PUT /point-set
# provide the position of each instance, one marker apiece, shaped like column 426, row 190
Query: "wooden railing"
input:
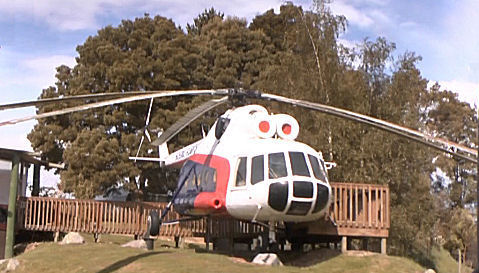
column 354, row 206
column 360, row 206
column 65, row 215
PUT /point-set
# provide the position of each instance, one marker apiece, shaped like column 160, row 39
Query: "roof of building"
column 26, row 156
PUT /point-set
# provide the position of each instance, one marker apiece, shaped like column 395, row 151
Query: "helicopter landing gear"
column 269, row 242
column 153, row 223
column 152, row 229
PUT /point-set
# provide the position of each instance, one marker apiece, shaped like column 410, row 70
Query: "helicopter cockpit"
column 296, row 181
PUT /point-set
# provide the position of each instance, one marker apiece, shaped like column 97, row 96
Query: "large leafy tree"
column 144, row 54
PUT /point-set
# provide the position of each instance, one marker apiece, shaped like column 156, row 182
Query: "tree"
column 202, row 20
column 447, row 117
column 144, row 54
column 460, row 232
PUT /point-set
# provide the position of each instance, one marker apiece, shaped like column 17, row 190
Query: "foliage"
column 460, row 232
column 202, row 20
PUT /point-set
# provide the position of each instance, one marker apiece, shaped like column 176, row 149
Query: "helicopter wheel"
column 153, row 223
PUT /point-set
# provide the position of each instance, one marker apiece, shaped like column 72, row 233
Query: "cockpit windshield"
column 317, row 169
column 257, row 169
column 298, row 164
column 277, row 165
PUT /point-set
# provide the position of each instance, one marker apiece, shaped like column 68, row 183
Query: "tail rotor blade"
column 148, row 135
column 139, row 147
column 145, row 130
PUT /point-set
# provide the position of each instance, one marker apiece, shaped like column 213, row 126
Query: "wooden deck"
column 358, row 210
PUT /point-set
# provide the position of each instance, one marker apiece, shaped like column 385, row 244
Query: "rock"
column 12, row 264
column 270, row 259
column 136, row 244
column 72, row 238
column 31, row 246
column 430, row 271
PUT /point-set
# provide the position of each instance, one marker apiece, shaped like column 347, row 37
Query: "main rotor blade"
column 184, row 121
column 116, row 101
column 73, row 98
column 437, row 143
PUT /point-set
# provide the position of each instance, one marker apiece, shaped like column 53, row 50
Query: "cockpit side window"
column 200, row 178
column 317, row 170
column 241, row 172
column 207, row 179
column 257, row 169
column 298, row 164
column 276, row 165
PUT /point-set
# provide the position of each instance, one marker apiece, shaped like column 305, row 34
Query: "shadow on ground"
column 122, row 263
column 290, row 258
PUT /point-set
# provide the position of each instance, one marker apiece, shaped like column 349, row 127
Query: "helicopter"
column 249, row 165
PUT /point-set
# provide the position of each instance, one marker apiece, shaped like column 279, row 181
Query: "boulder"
column 72, row 238
column 430, row 271
column 12, row 264
column 270, row 259
column 136, row 244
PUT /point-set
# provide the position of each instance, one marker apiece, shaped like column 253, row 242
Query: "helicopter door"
column 241, row 202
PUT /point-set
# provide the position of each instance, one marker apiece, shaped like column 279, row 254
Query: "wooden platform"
column 358, row 210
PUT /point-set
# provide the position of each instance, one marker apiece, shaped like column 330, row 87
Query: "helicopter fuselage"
column 249, row 170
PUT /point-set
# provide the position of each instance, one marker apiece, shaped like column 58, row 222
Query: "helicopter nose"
column 322, row 198
column 278, row 195
column 302, row 197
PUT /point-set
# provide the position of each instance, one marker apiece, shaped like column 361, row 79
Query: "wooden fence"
column 65, row 215
column 356, row 209
column 360, row 205
column 360, row 210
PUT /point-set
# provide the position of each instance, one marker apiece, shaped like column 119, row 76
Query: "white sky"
column 38, row 36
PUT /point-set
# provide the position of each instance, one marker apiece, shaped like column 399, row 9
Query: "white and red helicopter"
column 249, row 165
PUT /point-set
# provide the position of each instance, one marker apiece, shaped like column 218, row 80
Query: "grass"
column 109, row 256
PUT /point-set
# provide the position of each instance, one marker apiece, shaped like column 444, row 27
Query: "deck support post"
column 36, row 180
column 12, row 200
column 177, row 241
column 383, row 246
column 208, row 233
column 150, row 243
column 365, row 244
column 344, row 244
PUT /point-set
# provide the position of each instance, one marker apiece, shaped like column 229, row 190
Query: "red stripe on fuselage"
column 213, row 202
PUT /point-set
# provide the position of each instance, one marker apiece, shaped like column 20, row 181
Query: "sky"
column 38, row 36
